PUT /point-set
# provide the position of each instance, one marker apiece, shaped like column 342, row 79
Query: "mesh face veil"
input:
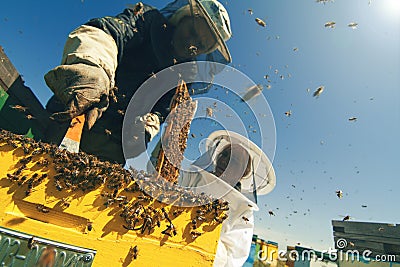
column 216, row 18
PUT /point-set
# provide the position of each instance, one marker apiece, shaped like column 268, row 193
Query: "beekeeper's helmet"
column 215, row 15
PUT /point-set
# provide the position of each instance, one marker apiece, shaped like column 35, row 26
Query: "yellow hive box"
column 51, row 214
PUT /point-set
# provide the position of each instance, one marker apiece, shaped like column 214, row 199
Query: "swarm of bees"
column 84, row 172
column 145, row 218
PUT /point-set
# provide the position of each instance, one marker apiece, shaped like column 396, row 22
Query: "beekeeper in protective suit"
column 237, row 170
column 106, row 60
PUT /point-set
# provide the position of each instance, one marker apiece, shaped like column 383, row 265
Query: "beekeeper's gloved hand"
column 151, row 123
column 82, row 88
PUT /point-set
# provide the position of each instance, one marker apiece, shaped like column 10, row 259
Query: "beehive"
column 96, row 213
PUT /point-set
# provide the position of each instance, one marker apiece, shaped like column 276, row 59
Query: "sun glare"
column 392, row 8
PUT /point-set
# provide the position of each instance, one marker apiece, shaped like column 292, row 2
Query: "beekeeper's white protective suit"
column 237, row 231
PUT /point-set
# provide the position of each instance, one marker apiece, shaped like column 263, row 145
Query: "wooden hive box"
column 13, row 93
column 378, row 238
column 82, row 211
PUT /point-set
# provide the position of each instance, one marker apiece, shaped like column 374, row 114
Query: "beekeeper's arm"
column 86, row 76
column 236, row 233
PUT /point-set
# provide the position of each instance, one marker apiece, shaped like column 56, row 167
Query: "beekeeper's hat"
column 216, row 17
column 261, row 179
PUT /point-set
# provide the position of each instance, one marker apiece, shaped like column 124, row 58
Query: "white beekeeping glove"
column 151, row 123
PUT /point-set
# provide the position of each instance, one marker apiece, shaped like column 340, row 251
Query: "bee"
column 201, row 218
column 193, row 50
column 58, row 185
column 138, row 8
column 353, row 25
column 339, row 193
column 177, row 212
column 133, row 251
column 195, row 234
column 25, row 160
column 194, row 224
column 153, row 75
column 19, row 170
column 221, row 219
column 31, row 242
column 245, row 219
column 113, row 97
column 144, row 198
column 346, row 218
column 65, row 203
column 90, row 226
column 147, row 224
column 330, row 24
column 158, row 223
column 352, row 119
column 121, row 198
column 121, row 112
column 261, row 22
column 28, row 191
column 271, row 213
column 288, row 113
column 170, row 229
column 30, row 117
column 173, row 229
column 44, row 162
column 165, row 214
column 319, row 91
column 108, row 132
column 26, row 149
column 252, row 91
column 42, row 208
column 12, row 143
column 19, row 108
column 209, row 112
column 12, row 177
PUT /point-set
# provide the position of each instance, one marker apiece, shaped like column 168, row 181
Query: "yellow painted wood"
column 69, row 224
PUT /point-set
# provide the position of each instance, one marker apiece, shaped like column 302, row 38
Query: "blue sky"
column 318, row 151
